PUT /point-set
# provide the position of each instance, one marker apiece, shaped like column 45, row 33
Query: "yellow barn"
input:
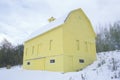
column 64, row 45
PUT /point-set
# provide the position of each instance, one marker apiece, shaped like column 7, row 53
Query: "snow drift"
column 107, row 67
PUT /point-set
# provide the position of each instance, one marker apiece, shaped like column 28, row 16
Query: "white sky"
column 19, row 18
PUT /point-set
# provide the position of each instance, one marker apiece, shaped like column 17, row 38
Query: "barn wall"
column 45, row 45
column 79, row 39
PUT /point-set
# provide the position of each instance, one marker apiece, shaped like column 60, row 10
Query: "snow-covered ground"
column 106, row 67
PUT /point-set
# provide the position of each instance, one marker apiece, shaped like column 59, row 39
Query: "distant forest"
column 10, row 55
column 107, row 39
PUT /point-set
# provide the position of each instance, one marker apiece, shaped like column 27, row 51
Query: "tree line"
column 10, row 55
column 108, row 38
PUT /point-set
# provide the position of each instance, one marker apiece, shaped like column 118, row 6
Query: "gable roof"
column 48, row 27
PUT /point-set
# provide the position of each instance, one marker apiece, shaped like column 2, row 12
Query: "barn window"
column 26, row 52
column 86, row 46
column 52, row 61
column 50, row 45
column 81, row 60
column 38, row 48
column 77, row 43
column 28, row 63
column 33, row 50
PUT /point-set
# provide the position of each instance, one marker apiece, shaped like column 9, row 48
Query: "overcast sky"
column 19, row 18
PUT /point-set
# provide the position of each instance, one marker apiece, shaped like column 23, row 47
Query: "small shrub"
column 113, row 66
column 71, row 78
column 83, row 77
column 101, row 63
column 8, row 66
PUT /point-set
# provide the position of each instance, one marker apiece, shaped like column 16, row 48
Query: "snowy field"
column 106, row 67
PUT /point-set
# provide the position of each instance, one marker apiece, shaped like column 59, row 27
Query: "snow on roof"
column 48, row 27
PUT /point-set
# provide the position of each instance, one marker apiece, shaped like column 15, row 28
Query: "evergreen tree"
column 10, row 55
column 109, row 39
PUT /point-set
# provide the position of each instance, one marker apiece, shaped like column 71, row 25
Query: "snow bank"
column 107, row 67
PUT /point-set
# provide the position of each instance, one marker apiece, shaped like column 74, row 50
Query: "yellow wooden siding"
column 76, row 64
column 68, row 63
column 35, row 64
column 76, row 30
column 44, row 63
column 57, row 66
column 42, row 45
column 43, row 42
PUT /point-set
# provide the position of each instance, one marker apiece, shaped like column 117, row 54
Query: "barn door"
column 42, row 64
